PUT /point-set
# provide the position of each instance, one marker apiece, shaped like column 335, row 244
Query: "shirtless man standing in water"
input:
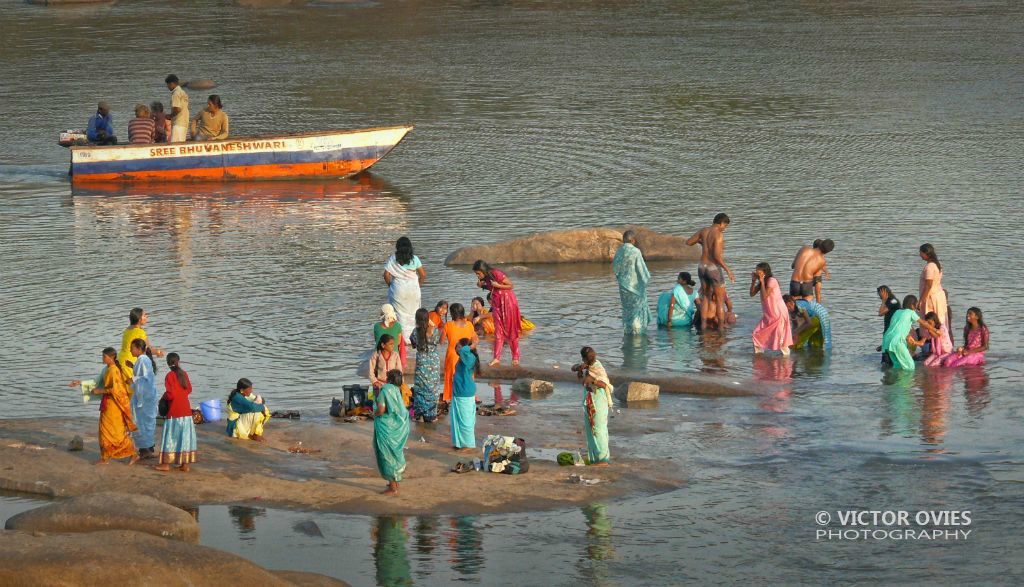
column 712, row 268
column 809, row 268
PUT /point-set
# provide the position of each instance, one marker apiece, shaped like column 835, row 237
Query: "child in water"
column 976, row 337
column 938, row 346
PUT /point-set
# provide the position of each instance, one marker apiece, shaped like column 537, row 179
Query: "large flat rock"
column 596, row 245
column 109, row 511
column 123, row 557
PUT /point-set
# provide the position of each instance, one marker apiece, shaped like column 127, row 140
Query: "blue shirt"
column 97, row 123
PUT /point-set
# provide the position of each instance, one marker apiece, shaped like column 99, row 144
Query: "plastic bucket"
column 210, row 410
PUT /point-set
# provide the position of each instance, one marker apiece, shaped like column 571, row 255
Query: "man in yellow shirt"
column 179, row 110
column 212, row 123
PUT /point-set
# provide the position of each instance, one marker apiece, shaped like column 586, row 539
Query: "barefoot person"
column 246, row 416
column 115, row 412
column 597, row 402
column 144, row 398
column 632, row 275
column 426, row 339
column 390, row 431
column 404, row 274
column 809, row 268
column 773, row 332
column 508, row 322
column 178, row 441
column 463, row 412
column 712, row 268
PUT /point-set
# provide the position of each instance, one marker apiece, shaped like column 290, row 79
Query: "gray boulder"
column 637, row 391
column 533, row 387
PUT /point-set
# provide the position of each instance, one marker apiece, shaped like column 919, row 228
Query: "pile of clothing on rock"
column 495, row 410
column 505, row 454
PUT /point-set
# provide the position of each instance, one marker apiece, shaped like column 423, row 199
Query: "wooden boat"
column 321, row 154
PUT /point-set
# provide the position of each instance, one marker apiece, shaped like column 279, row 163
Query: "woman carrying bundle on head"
column 115, row 412
column 246, row 413
column 390, row 431
column 144, row 399
column 463, row 410
column 178, row 442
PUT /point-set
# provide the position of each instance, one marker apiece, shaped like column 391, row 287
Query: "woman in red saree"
column 508, row 323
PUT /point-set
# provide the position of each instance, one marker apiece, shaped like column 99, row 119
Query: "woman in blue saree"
column 676, row 307
column 597, row 401
column 463, row 409
column 390, row 431
column 144, row 398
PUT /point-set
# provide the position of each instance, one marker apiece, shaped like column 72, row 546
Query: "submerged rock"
column 121, row 557
column 637, row 391
column 76, row 444
column 109, row 511
column 575, row 246
column 533, row 387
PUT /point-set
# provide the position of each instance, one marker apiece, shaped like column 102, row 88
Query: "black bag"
column 337, row 408
column 163, row 407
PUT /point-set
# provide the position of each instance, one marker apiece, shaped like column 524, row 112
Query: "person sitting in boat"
column 101, row 126
column 212, row 123
column 161, row 123
column 141, row 128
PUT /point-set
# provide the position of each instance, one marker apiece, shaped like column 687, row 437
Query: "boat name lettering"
column 203, row 148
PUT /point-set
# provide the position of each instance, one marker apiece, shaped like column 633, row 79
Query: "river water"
column 876, row 124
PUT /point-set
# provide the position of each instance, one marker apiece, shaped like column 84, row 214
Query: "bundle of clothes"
column 505, row 454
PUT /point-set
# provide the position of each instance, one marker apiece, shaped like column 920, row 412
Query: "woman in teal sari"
column 463, row 409
column 390, row 431
column 597, row 401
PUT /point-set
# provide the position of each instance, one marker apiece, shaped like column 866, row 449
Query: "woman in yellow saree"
column 115, row 413
column 137, row 318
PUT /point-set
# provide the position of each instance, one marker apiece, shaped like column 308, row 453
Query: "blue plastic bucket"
column 210, row 410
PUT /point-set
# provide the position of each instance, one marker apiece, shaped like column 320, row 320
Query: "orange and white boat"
column 320, row 154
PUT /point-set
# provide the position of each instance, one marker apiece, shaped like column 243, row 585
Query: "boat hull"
column 328, row 154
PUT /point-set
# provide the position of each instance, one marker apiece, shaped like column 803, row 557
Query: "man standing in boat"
column 180, row 115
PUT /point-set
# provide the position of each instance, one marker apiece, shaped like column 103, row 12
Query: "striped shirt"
column 141, row 130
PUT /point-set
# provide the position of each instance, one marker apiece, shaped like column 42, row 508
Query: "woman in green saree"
column 390, row 431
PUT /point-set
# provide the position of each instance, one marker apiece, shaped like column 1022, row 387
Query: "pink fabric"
column 508, row 323
column 974, row 340
column 941, row 347
column 773, row 332
column 936, row 302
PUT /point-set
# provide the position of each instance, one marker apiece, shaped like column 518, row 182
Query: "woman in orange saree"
column 452, row 332
column 115, row 414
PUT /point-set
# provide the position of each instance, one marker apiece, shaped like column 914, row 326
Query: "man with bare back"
column 809, row 269
column 712, row 268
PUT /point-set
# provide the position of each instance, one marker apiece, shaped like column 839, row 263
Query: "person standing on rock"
column 115, row 414
column 508, row 322
column 712, row 268
column 178, row 442
column 632, row 275
column 597, row 402
column 404, row 274
column 144, row 398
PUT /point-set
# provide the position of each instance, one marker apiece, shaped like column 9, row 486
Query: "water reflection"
column 426, row 534
column 466, row 544
column 244, row 517
column 976, row 389
column 389, row 537
column 935, row 386
column 600, row 549
column 711, row 356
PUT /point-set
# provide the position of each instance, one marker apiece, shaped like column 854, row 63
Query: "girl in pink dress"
column 976, row 337
column 773, row 332
column 941, row 345
column 508, row 323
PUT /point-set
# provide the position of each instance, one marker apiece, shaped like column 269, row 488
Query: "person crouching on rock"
column 178, row 441
column 390, row 431
column 463, row 409
column 115, row 412
column 246, row 416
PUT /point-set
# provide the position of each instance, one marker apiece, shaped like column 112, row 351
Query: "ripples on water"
column 880, row 126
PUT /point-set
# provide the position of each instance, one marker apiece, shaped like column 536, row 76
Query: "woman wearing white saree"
column 404, row 275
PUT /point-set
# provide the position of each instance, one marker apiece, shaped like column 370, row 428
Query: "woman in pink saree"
column 773, row 332
column 508, row 323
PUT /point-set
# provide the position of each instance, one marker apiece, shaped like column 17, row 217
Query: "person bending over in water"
column 676, row 307
column 938, row 346
column 809, row 268
column 712, row 268
column 897, row 340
